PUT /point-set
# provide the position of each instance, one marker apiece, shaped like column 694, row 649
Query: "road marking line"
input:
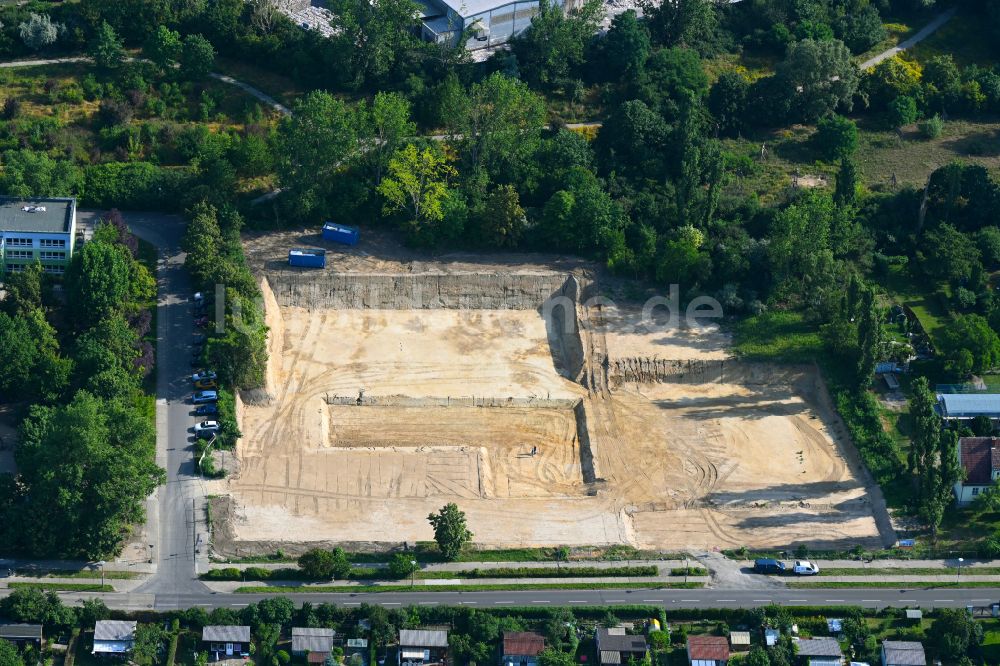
column 944, row 601
column 467, row 602
column 796, row 601
column 206, row 605
column 615, row 601
column 722, row 601
column 503, row 602
column 352, row 603
column 761, row 601
column 391, row 603
column 690, row 601
column 577, row 602
column 240, row 605
column 834, row 601
column 651, row 601
column 539, row 602
column 427, row 603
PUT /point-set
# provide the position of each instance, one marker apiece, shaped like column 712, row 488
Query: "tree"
column 27, row 173
column 317, row 563
column 955, row 634
column 932, row 457
column 846, row 189
column 861, row 30
column 946, row 253
column 971, row 334
column 99, row 281
column 417, row 183
column 902, row 111
column 9, row 655
column 93, row 610
column 164, row 48
column 387, row 126
column 837, row 137
column 892, row 79
column 672, row 22
column 819, row 77
column 24, row 290
column 727, row 100
column 554, row 44
column 197, row 58
column 148, row 640
column 502, row 220
column 758, row 657
column 311, row 146
column 107, row 49
column 669, row 79
column 31, row 604
column 39, row 31
column 554, row 657
column 374, row 36
column 871, row 337
column 988, row 240
column 450, row 530
column 626, row 46
column 402, row 565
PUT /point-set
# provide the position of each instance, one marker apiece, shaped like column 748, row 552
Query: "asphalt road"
column 176, row 511
column 702, row 598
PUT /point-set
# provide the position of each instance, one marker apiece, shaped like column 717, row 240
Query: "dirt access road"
column 400, row 382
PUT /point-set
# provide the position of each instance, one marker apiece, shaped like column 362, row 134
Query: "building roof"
column 523, row 643
column 114, row 630
column 914, row 614
column 979, row 456
column 423, row 637
column 611, row 657
column 771, row 636
column 469, row 8
column 42, row 215
column 967, row 405
column 708, row 648
column 21, row 631
column 819, row 647
column 904, row 653
column 218, row 633
column 317, row 657
column 606, row 640
column 739, row 637
column 308, row 639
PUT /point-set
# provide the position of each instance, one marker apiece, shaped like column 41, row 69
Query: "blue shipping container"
column 341, row 233
column 308, row 258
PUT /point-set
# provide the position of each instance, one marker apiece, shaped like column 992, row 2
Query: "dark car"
column 207, row 410
column 769, row 566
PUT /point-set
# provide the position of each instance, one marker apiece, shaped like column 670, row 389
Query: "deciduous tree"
column 450, row 530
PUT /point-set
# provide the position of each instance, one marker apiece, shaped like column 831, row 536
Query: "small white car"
column 206, row 428
column 805, row 568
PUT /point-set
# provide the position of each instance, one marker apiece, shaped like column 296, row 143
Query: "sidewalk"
column 664, row 565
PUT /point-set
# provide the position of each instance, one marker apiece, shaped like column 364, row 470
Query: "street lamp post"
column 958, row 577
column 150, row 553
column 413, row 572
column 101, row 564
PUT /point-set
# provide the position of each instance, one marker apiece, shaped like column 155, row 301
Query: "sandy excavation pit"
column 384, row 411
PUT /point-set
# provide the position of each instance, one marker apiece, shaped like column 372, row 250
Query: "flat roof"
column 970, row 404
column 49, row 215
column 468, row 8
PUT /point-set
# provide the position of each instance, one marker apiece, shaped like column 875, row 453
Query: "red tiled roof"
column 713, row 648
column 522, row 643
column 316, row 657
column 979, row 457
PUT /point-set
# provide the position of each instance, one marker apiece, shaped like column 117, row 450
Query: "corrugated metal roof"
column 904, row 653
column 21, row 631
column 423, row 637
column 967, row 405
column 708, row 648
column 114, row 630
column 620, row 642
column 522, row 643
column 819, row 647
column 611, row 657
column 739, row 637
column 226, row 634
column 309, row 639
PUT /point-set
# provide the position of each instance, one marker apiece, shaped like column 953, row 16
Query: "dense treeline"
column 77, row 363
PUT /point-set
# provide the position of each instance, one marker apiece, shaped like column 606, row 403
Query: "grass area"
column 72, row 573
column 777, row 336
column 65, row 587
column 354, row 589
column 991, row 641
column 926, row 302
column 916, row 571
column 366, row 574
column 887, row 584
column 898, row 31
column 963, row 37
column 281, row 88
column 751, row 66
column 882, row 153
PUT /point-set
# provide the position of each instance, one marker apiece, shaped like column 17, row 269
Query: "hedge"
column 136, row 186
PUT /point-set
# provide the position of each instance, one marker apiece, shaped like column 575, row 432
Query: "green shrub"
column 932, row 127
column 902, row 111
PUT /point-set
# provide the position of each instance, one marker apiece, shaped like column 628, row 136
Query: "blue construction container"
column 341, row 233
column 308, row 258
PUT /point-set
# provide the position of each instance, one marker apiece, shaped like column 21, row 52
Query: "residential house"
column 421, row 647
column 22, row 635
column 739, row 641
column 708, row 650
column 226, row 641
column 980, row 458
column 903, row 653
column 521, row 648
column 313, row 643
column 36, row 229
column 616, row 647
column 356, row 646
column 114, row 638
column 824, row 651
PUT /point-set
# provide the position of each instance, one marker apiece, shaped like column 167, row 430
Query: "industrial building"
column 36, row 229
column 488, row 22
column 964, row 406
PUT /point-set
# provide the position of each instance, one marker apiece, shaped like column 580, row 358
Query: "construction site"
column 551, row 417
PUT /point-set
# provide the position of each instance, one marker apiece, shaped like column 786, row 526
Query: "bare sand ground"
column 752, row 460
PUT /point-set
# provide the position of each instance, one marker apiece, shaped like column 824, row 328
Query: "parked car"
column 769, row 566
column 201, row 321
column 202, row 397
column 206, row 384
column 211, row 409
column 805, row 568
column 206, row 428
column 204, row 374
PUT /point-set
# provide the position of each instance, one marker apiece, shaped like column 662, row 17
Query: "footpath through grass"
column 354, row 589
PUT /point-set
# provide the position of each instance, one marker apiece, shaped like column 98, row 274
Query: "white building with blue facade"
column 488, row 22
column 36, row 229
